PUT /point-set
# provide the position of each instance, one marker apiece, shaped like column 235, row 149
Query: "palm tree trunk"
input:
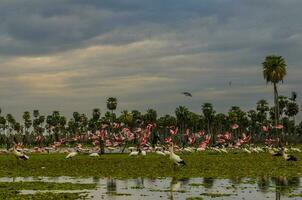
column 276, row 107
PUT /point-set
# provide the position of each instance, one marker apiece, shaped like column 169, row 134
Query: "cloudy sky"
column 70, row 55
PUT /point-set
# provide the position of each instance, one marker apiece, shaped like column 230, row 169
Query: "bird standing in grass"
column 72, row 154
column 94, row 155
column 288, row 157
column 175, row 158
column 135, row 153
column 19, row 154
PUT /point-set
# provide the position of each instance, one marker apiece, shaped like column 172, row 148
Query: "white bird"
column 246, row 150
column 143, row 153
column 19, row 154
column 161, row 153
column 72, row 154
column 288, row 157
column 295, row 149
column 134, row 153
column 94, row 155
column 175, row 158
column 188, row 149
column 223, row 149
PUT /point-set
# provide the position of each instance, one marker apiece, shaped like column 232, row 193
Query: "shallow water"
column 170, row 188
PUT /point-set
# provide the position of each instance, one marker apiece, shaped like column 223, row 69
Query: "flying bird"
column 187, row 94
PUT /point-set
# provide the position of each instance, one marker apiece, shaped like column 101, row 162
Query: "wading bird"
column 289, row 157
column 19, row 154
column 175, row 158
column 94, row 155
column 72, row 154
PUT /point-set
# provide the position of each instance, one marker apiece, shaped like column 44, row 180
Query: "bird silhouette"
column 187, row 94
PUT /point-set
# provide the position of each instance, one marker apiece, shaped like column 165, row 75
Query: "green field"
column 206, row 164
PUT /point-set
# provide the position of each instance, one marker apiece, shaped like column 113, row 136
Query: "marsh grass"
column 122, row 166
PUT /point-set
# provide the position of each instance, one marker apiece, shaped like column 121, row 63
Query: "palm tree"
column 262, row 109
column 111, row 103
column 27, row 121
column 208, row 113
column 274, row 71
column 292, row 109
column 150, row 116
column 126, row 117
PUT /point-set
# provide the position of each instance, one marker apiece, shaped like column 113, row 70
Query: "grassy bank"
column 121, row 166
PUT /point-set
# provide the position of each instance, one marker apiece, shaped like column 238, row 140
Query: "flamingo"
column 175, row 158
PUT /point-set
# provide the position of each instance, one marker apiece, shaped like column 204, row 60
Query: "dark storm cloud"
column 72, row 54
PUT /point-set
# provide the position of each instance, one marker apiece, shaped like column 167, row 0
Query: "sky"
column 71, row 55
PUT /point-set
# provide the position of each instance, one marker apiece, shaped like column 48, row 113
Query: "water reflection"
column 172, row 188
column 208, row 182
column 111, row 186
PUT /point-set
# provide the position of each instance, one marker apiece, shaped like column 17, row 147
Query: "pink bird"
column 265, row 128
column 279, row 126
column 235, row 126
column 168, row 140
column 201, row 133
column 174, row 132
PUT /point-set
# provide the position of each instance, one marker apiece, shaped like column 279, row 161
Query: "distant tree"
column 274, row 71
column 111, row 103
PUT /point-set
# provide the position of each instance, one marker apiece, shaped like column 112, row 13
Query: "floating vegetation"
column 214, row 195
column 118, row 194
column 14, row 195
column 44, row 186
column 194, row 198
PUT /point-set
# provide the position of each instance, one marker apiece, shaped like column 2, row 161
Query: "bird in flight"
column 187, row 94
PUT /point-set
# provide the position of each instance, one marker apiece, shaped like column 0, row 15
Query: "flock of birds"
column 164, row 151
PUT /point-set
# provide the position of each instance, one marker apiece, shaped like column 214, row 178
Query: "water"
column 171, row 188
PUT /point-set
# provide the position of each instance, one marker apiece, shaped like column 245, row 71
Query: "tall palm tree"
column 274, row 71
column 111, row 103
column 208, row 113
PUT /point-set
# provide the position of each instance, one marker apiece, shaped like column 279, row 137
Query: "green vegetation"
column 295, row 195
column 194, row 198
column 204, row 164
column 11, row 190
column 14, row 195
column 118, row 194
column 44, row 186
column 214, row 195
